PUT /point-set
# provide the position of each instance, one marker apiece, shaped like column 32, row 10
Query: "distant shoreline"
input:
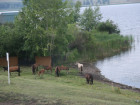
column 12, row 10
column 5, row 10
column 111, row 4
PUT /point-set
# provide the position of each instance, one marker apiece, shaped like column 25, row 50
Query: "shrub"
column 81, row 39
column 72, row 56
column 108, row 26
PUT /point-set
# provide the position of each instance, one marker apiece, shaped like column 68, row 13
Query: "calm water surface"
column 124, row 68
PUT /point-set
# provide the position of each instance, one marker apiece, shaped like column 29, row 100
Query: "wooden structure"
column 44, row 61
column 13, row 61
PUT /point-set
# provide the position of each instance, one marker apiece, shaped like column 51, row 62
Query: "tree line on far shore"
column 57, row 29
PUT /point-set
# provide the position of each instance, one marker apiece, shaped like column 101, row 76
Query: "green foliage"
column 108, row 26
column 79, row 43
column 72, row 56
column 72, row 30
column 117, row 90
column 109, row 44
column 9, row 41
column 44, row 24
column 94, row 45
column 90, row 18
column 77, row 11
column 50, row 28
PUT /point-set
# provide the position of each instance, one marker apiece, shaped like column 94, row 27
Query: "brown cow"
column 64, row 68
column 13, row 69
column 48, row 68
column 42, row 71
column 89, row 78
column 57, row 71
column 34, row 68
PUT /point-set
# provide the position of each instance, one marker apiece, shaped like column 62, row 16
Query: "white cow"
column 80, row 66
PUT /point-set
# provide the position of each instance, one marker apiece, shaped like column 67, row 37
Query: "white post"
column 7, row 56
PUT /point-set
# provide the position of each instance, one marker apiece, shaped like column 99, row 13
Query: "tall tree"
column 9, row 41
column 77, row 11
column 90, row 18
column 41, row 23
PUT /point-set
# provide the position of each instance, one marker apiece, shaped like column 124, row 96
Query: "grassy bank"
column 98, row 45
column 65, row 90
column 108, row 45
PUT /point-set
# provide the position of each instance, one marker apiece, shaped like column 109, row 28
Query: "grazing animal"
column 5, row 68
column 89, row 78
column 13, row 69
column 48, row 68
column 34, row 68
column 80, row 66
column 42, row 71
column 57, row 71
column 64, row 68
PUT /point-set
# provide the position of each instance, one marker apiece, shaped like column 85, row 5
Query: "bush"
column 72, row 56
column 80, row 41
column 108, row 26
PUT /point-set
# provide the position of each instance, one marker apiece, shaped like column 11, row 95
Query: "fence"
column 13, row 61
column 46, row 61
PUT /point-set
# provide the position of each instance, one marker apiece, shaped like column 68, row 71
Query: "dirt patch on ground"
column 92, row 69
column 21, row 99
column 16, row 99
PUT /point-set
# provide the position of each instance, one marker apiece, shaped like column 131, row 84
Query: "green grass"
column 64, row 90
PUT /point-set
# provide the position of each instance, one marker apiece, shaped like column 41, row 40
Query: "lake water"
column 125, row 67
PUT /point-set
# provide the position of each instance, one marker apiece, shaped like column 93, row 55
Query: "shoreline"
column 92, row 69
column 110, row 4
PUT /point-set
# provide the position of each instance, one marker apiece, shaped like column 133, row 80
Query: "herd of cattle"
column 41, row 72
column 89, row 77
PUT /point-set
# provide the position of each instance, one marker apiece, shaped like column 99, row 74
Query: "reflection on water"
column 125, row 67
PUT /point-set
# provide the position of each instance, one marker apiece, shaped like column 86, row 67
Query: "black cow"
column 89, row 78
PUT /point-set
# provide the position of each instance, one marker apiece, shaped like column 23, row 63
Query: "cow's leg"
column 18, row 73
column 81, row 69
column 58, row 73
column 91, row 81
column 87, row 80
column 34, row 71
